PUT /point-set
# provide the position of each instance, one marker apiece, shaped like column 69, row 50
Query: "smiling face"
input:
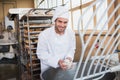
column 60, row 25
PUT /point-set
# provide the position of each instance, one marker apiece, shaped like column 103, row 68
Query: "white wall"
column 8, row 22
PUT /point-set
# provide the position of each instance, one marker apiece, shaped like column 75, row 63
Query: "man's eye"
column 65, row 22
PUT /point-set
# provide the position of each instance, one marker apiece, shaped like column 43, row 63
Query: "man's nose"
column 62, row 24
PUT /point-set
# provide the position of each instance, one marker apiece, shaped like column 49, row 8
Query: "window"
column 86, row 20
column 76, row 15
column 100, row 12
column 77, row 8
column 75, row 3
column 86, row 1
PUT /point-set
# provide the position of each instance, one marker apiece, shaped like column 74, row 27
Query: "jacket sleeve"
column 43, row 53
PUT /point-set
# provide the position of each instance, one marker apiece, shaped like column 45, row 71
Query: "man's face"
column 60, row 25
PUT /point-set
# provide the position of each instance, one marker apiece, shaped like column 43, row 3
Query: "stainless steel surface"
column 8, row 42
column 59, row 74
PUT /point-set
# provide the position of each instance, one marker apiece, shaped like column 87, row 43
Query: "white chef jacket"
column 52, row 47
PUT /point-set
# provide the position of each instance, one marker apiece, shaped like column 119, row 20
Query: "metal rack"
column 35, row 21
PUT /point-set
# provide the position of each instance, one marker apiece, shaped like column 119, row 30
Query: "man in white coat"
column 57, row 44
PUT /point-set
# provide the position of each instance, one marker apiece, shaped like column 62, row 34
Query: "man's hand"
column 65, row 64
column 69, row 58
column 68, row 61
column 62, row 65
